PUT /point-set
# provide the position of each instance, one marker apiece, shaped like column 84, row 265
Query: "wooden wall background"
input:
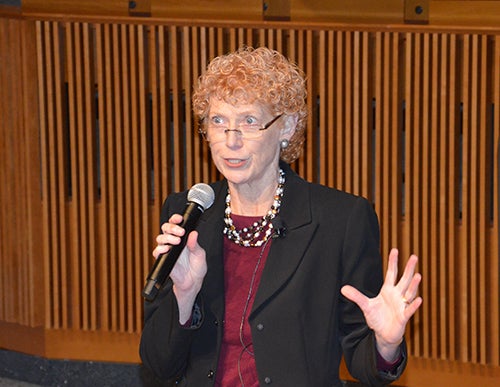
column 439, row 12
column 96, row 129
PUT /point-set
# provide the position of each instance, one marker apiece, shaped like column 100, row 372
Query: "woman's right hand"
column 191, row 267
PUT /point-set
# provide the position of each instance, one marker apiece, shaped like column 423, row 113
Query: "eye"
column 216, row 120
column 250, row 120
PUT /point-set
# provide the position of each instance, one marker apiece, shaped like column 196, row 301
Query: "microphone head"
column 201, row 194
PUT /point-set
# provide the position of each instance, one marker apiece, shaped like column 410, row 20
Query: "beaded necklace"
column 259, row 232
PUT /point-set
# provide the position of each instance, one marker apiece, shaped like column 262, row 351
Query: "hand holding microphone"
column 200, row 197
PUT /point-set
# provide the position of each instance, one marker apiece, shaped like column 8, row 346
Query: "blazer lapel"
column 210, row 230
column 287, row 251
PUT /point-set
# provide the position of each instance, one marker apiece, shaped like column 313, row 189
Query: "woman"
column 281, row 277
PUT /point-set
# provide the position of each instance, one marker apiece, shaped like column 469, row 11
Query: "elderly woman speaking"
column 281, row 276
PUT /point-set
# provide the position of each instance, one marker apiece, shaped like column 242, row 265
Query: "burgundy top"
column 240, row 264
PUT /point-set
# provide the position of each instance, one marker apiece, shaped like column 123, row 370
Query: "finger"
column 412, row 290
column 353, row 294
column 168, row 239
column 175, row 219
column 412, row 307
column 392, row 268
column 159, row 250
column 172, row 228
column 408, row 274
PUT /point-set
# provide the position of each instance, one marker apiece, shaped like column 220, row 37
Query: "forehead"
column 220, row 107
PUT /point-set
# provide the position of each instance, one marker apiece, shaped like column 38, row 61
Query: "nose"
column 233, row 138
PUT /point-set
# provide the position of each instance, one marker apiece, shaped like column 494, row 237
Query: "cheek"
column 269, row 149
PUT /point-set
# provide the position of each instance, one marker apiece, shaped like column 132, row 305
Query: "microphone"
column 200, row 197
column 279, row 227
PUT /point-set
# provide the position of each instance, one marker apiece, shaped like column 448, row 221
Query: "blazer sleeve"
column 165, row 344
column 362, row 268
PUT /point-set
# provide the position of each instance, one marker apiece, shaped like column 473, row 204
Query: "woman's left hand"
column 388, row 312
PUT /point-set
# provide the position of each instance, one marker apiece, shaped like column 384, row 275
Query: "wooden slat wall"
column 95, row 166
column 408, row 118
column 450, row 199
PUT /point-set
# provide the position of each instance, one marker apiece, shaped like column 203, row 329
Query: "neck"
column 252, row 205
column 251, row 200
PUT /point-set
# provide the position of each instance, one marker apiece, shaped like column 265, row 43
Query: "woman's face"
column 243, row 161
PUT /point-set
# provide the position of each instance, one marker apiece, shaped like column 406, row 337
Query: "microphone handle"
column 165, row 263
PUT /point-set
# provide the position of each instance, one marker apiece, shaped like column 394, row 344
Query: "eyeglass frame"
column 238, row 131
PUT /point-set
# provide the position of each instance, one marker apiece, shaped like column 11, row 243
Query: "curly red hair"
column 261, row 74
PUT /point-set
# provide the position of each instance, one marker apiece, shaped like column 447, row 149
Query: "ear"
column 289, row 126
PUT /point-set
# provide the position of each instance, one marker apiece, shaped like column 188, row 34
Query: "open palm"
column 388, row 313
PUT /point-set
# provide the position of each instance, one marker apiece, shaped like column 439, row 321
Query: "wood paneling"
column 385, row 11
column 407, row 117
column 435, row 12
column 465, row 12
column 214, row 9
column 81, row 7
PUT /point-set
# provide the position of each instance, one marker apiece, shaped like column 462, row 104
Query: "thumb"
column 192, row 242
column 354, row 295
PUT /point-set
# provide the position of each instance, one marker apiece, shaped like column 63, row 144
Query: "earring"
column 284, row 144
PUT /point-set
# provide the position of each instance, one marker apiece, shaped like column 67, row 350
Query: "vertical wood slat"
column 162, row 176
column 4, row 176
column 123, row 181
column 323, row 95
column 469, row 208
column 494, row 303
column 61, row 282
column 433, row 193
column 411, row 96
column 197, row 142
column 20, row 232
column 339, row 122
column 113, row 140
column 484, row 206
column 112, row 124
column 88, row 122
column 452, row 213
column 177, row 136
column 353, row 82
column 187, row 84
column 439, row 46
column 73, row 314
column 145, row 168
column 425, row 250
column 452, row 249
column 444, row 169
column 387, row 151
column 53, row 193
column 132, row 180
column 29, row 179
column 329, row 125
column 102, row 78
column 465, row 246
column 44, row 167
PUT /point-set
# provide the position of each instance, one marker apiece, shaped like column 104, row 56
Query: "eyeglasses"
column 217, row 133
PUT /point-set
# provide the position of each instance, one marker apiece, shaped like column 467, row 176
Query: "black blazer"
column 301, row 324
